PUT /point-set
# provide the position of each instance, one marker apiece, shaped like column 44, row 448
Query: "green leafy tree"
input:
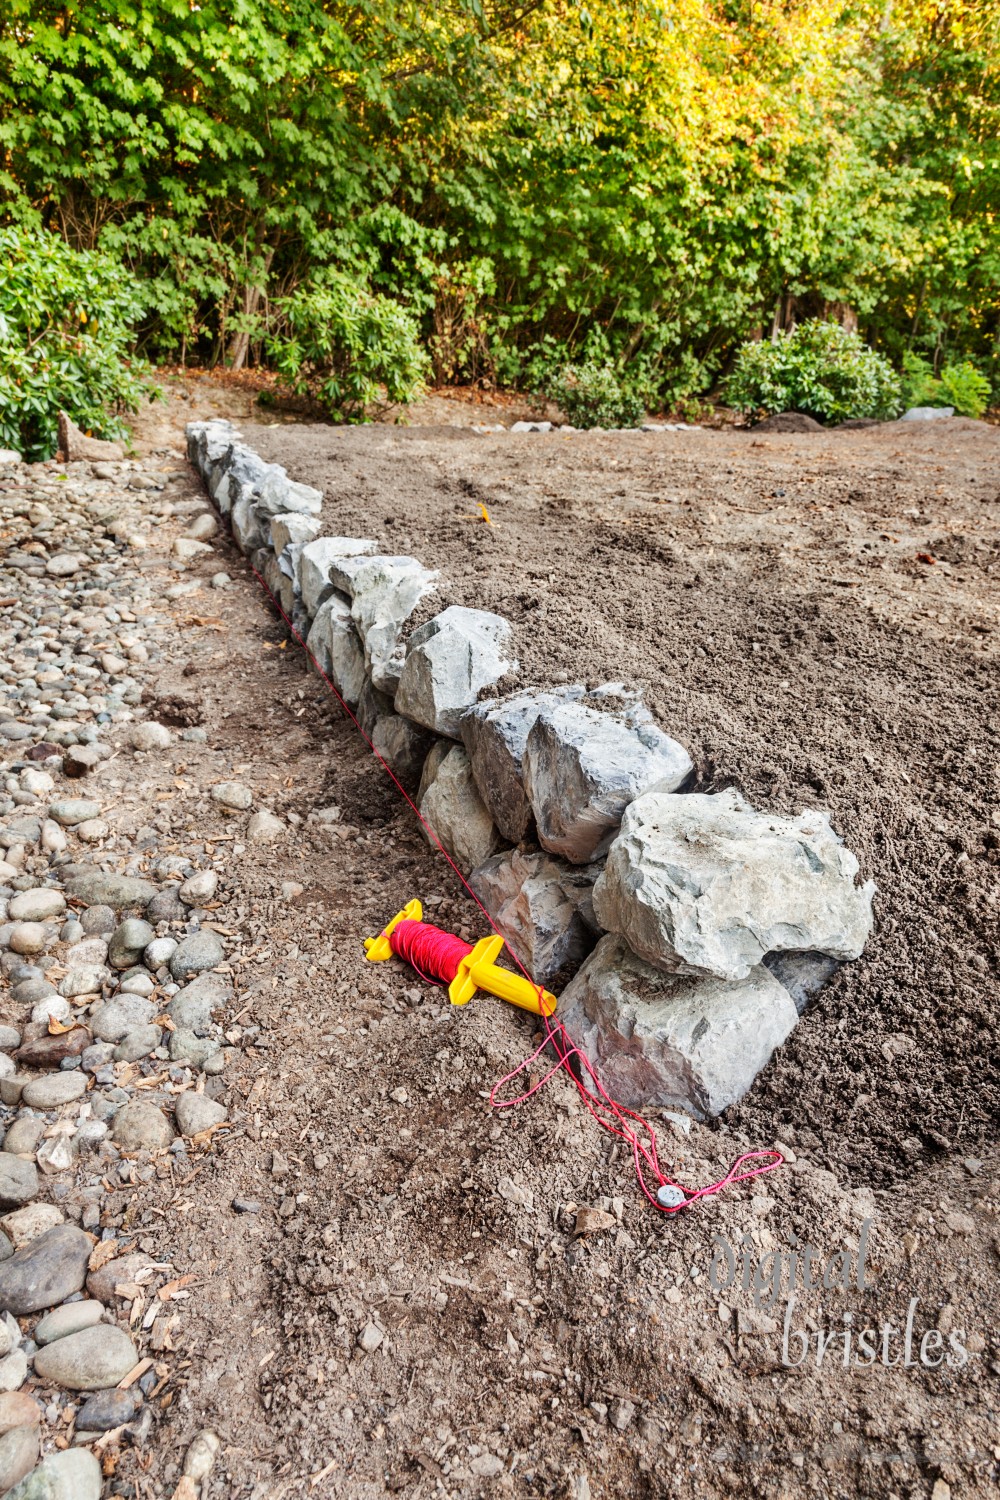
column 672, row 175
column 67, row 321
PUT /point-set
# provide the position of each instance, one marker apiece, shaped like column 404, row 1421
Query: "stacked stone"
column 696, row 927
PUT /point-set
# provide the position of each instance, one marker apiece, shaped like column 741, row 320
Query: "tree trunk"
column 239, row 344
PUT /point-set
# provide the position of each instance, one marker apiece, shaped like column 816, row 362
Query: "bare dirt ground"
column 816, row 617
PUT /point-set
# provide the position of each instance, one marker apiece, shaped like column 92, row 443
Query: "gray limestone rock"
column 237, row 472
column 495, row 735
column 249, row 529
column 673, row 1041
column 276, row 494
column 582, row 767
column 452, row 806
column 316, row 560
column 402, row 744
column 372, row 706
column 384, row 593
column 540, row 906
column 705, row 884
column 291, row 529
column 448, row 663
column 432, row 765
column 337, row 648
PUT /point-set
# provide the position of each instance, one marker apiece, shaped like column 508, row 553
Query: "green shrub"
column 965, row 388
column 347, row 348
column 593, row 395
column 820, row 369
column 66, row 321
column 961, row 386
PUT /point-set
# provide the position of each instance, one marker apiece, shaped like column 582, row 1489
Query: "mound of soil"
column 788, row 421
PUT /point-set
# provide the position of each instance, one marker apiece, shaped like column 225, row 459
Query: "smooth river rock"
column 73, row 1475
column 92, row 1360
column 18, row 1180
column 46, row 1271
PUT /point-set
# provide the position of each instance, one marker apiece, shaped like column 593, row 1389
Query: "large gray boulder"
column 239, row 466
column 276, row 493
column 242, row 480
column 249, row 529
column 384, row 592
column 495, row 735
column 583, row 766
column 542, row 908
column 449, row 661
column 402, row 744
column 316, row 560
column 208, row 441
column 704, row 884
column 334, row 642
column 289, row 528
column 451, row 804
column 673, row 1041
column 272, row 573
column 372, row 706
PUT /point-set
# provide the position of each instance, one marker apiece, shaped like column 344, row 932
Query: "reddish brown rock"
column 49, row 1051
column 76, row 445
column 17, row 1409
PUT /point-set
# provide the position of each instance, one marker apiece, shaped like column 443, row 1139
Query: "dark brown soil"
column 816, row 618
column 508, row 1343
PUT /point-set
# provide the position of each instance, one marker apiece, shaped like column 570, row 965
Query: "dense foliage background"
column 539, row 181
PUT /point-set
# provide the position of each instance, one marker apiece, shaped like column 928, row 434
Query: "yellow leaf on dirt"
column 167, row 1291
column 105, row 1251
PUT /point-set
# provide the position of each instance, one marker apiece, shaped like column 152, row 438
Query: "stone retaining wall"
column 692, row 929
